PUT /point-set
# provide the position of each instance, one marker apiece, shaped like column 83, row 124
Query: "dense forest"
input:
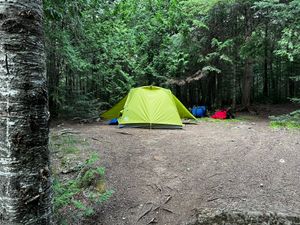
column 213, row 52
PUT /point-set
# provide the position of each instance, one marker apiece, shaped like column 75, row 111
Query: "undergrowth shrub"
column 78, row 197
column 291, row 120
column 80, row 191
column 82, row 106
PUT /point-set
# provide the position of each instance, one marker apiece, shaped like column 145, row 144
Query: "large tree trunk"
column 234, row 86
column 247, row 83
column 25, row 194
column 266, row 61
column 248, row 69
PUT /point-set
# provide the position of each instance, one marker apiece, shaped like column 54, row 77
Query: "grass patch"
column 79, row 185
column 247, row 118
column 211, row 120
column 285, row 124
column 71, row 149
column 290, row 121
column 78, row 198
column 68, row 143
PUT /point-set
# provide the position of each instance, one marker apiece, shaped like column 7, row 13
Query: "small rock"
column 157, row 158
column 261, row 185
column 282, row 161
column 188, row 169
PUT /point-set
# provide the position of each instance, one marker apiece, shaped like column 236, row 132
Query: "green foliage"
column 295, row 100
column 286, row 124
column 98, row 50
column 80, row 195
column 83, row 106
column 289, row 45
column 291, row 120
column 89, row 176
column 68, row 144
column 77, row 196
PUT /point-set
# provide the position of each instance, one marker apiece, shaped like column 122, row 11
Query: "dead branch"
column 124, row 133
column 153, row 220
column 168, row 199
column 212, row 199
column 167, row 210
column 68, row 131
column 145, row 212
column 195, row 77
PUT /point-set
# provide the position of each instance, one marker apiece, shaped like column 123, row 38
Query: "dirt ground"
column 165, row 177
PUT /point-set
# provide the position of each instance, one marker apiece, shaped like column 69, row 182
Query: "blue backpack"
column 199, row 111
column 113, row 122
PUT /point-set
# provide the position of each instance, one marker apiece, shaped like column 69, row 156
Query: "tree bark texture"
column 25, row 190
column 266, row 61
column 248, row 69
column 247, row 84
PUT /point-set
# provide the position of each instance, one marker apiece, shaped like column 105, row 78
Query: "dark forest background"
column 213, row 52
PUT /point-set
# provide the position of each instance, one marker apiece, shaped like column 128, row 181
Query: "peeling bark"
column 25, row 190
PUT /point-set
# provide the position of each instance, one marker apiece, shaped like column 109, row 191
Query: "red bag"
column 222, row 115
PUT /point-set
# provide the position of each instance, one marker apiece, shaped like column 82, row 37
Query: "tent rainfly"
column 149, row 106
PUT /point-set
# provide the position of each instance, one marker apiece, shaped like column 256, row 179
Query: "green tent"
column 149, row 106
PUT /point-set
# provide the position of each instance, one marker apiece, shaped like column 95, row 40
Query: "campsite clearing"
column 168, row 176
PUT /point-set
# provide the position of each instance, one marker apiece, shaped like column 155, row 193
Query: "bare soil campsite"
column 170, row 177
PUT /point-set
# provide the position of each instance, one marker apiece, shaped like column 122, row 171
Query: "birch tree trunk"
column 25, row 193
